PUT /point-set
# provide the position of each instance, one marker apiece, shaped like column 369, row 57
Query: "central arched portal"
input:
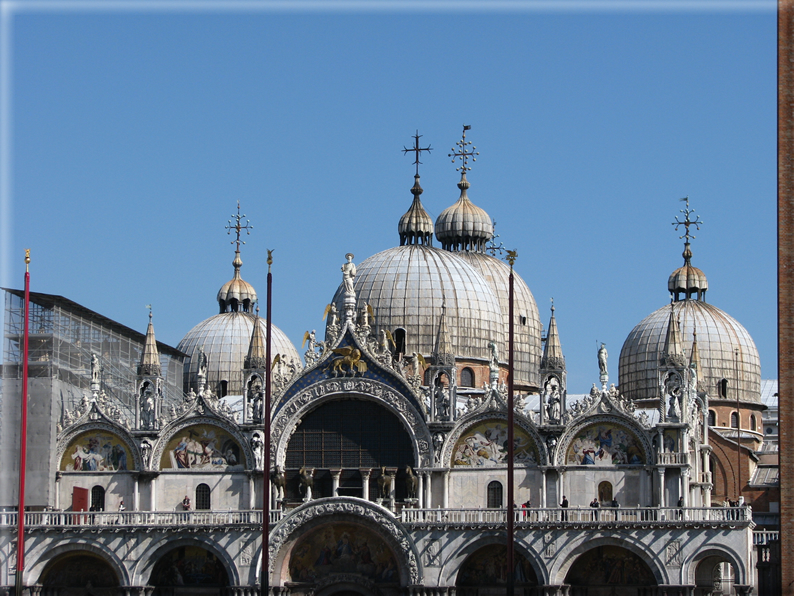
column 484, row 572
column 356, row 437
column 609, row 571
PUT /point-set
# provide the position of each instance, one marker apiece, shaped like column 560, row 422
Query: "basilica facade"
column 387, row 472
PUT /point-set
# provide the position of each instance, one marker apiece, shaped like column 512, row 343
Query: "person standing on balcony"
column 564, row 506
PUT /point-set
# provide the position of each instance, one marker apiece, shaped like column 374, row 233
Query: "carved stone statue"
column 146, row 453
column 411, row 482
column 147, row 408
column 279, row 480
column 384, row 484
column 333, row 315
column 94, row 369
column 202, row 363
column 349, row 274
column 257, row 446
column 602, row 360
column 306, row 479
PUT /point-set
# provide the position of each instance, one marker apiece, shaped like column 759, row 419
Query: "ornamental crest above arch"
column 342, row 511
column 202, row 443
column 481, row 441
column 604, row 441
column 97, row 446
column 349, row 360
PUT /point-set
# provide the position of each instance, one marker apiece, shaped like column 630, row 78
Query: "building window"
column 712, row 418
column 495, row 495
column 97, row 499
column 752, row 422
column 734, row 420
column 399, row 342
column 605, row 492
column 203, row 497
column 722, row 388
column 467, row 377
column 223, row 389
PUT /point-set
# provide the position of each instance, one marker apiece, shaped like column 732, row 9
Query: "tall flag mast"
column 511, row 258
column 23, row 447
column 266, row 418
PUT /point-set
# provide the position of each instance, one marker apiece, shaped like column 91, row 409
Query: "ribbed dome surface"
column 464, row 225
column 688, row 280
column 527, row 327
column 719, row 336
column 407, row 287
column 225, row 339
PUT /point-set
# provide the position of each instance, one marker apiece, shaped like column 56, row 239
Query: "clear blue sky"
column 133, row 133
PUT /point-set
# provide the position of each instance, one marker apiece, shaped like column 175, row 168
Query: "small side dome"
column 464, row 225
column 416, row 226
column 687, row 281
column 237, row 295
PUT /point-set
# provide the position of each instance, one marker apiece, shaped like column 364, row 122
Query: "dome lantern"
column 687, row 281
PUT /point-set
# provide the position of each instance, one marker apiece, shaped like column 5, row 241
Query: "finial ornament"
column 463, row 153
column 269, row 258
column 687, row 221
column 237, row 227
column 27, row 260
column 149, row 306
column 417, row 150
column 491, row 247
column 511, row 257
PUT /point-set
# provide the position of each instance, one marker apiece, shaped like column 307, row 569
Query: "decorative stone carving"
column 257, row 447
column 374, row 516
column 674, row 556
column 146, row 453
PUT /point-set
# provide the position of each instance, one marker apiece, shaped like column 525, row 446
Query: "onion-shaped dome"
column 728, row 356
column 225, row 339
column 416, row 226
column 408, row 286
column 464, row 226
column 236, row 294
column 688, row 280
column 526, row 320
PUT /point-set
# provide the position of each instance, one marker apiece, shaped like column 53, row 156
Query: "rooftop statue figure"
column 602, row 359
column 348, row 274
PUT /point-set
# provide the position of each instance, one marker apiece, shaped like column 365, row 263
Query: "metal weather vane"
column 687, row 221
column 417, row 150
column 462, row 153
column 238, row 227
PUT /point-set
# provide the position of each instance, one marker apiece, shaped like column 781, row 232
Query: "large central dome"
column 407, row 286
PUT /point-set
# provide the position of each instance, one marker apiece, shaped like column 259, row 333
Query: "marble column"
column 335, row 475
column 365, row 474
column 421, row 489
column 136, row 495
column 445, row 487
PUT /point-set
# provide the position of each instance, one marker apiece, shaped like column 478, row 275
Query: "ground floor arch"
column 609, row 570
column 486, row 570
column 79, row 573
column 716, row 571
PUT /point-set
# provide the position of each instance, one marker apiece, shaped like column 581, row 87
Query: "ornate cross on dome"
column 417, row 150
column 238, row 228
column 462, row 153
column 687, row 222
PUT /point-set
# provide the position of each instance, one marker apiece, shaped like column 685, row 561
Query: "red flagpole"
column 511, row 257
column 23, row 436
column 266, row 418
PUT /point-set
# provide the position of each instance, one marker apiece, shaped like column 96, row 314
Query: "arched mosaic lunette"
column 374, row 517
column 470, row 422
column 313, row 396
column 101, row 426
column 181, row 424
column 606, row 423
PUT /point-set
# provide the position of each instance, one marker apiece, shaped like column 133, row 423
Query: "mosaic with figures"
column 202, row 447
column 96, row 451
column 342, row 548
column 485, row 444
column 604, row 445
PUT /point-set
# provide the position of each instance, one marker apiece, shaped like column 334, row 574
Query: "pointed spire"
column 256, row 349
column 150, row 361
column 552, row 351
column 443, row 353
column 673, row 353
column 694, row 357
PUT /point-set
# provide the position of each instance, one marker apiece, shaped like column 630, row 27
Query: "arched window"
column 467, row 377
column 223, row 389
column 399, row 342
column 495, row 495
column 203, row 497
column 722, row 388
column 97, row 499
column 605, row 492
column 753, row 425
column 734, row 420
column 712, row 418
